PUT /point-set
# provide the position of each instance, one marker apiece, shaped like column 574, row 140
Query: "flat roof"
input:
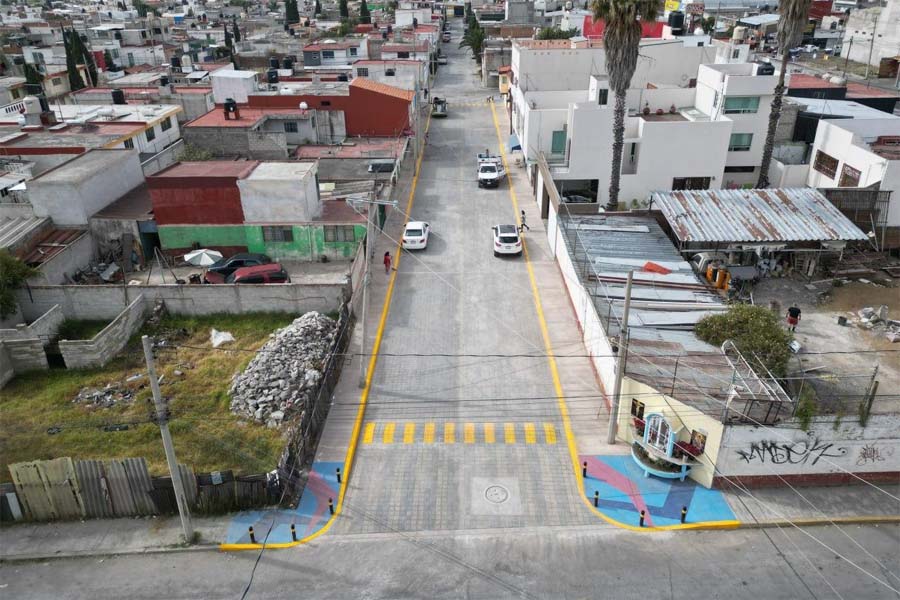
column 284, row 170
column 249, row 117
column 84, row 166
column 757, row 20
column 135, row 205
column 763, row 215
column 232, row 74
column 208, row 168
column 842, row 108
column 800, row 81
column 355, row 148
column 54, row 242
column 349, row 169
column 15, row 229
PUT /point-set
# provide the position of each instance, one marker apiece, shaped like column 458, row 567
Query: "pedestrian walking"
column 524, row 225
column 387, row 263
column 793, row 317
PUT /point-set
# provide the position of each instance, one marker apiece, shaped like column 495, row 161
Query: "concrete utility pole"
column 620, row 366
column 161, row 415
column 365, row 295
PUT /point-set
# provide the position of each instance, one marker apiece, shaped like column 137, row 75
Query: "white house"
column 403, row 73
column 416, row 51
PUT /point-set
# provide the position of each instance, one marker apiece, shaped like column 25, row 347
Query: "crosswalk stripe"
column 388, row 436
column 409, row 433
column 509, row 433
column 530, row 436
column 369, row 434
column 469, row 433
column 449, row 433
column 550, row 433
column 488, row 433
column 429, row 433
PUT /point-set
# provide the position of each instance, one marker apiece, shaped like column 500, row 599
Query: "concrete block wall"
column 99, row 350
column 7, row 371
column 43, row 328
column 107, row 301
column 26, row 355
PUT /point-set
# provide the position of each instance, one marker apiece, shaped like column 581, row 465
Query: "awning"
column 513, row 143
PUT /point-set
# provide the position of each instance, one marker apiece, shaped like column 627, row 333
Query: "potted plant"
column 646, row 108
column 672, row 110
column 660, row 111
column 638, row 426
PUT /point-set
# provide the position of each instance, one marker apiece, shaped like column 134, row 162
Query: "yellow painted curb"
column 364, row 396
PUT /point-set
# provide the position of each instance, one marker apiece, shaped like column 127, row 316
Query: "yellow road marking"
column 509, row 433
column 469, row 433
column 388, row 436
column 449, row 433
column 550, row 433
column 369, row 435
column 429, row 433
column 409, row 433
column 530, row 436
column 488, row 433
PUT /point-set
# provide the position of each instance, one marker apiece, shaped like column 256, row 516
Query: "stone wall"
column 7, row 371
column 107, row 301
column 26, row 354
column 99, row 350
column 43, row 328
column 237, row 141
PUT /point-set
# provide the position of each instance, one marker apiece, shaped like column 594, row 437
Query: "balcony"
column 658, row 453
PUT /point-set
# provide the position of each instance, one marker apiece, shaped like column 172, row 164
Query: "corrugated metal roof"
column 765, row 215
column 53, row 243
column 12, row 231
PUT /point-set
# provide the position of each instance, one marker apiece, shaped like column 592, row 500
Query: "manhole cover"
column 496, row 494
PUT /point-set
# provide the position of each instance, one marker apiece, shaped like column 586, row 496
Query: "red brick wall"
column 762, row 481
column 192, row 200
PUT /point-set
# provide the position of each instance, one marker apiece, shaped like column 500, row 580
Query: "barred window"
column 278, row 234
column 340, row 233
column 825, row 164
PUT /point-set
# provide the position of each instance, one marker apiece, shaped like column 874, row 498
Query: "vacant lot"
column 39, row 418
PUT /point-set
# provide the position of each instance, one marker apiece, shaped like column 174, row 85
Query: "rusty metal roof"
column 55, row 242
column 765, row 215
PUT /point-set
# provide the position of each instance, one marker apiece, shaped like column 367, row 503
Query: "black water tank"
column 230, row 105
column 287, row 62
column 164, row 80
column 676, row 19
column 118, row 97
column 764, row 68
column 273, row 62
column 272, row 76
column 176, row 62
column 343, row 77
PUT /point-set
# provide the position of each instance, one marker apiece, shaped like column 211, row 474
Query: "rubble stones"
column 282, row 379
column 106, row 397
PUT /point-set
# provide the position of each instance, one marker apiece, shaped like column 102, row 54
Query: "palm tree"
column 622, row 40
column 473, row 39
column 794, row 15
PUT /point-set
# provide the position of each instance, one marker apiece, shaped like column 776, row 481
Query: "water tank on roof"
column 118, row 97
column 164, row 80
column 230, row 105
column 739, row 33
column 272, row 76
column 287, row 62
column 273, row 62
column 343, row 77
column 838, row 80
column 176, row 62
column 32, row 105
column 764, row 68
column 676, row 19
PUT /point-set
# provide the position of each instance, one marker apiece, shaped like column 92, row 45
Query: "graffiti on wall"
column 871, row 454
column 800, row 452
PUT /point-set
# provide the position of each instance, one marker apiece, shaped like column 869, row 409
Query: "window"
column 278, row 234
column 362, row 71
column 602, row 96
column 736, row 53
column 389, row 72
column 658, row 432
column 741, row 104
column 340, row 233
column 290, row 127
column 739, row 169
column 558, row 143
column 327, row 53
column 129, row 143
column 690, row 183
column 14, row 94
column 637, row 408
column 166, row 124
column 740, row 142
column 403, row 55
column 56, row 81
column 353, row 51
column 849, row 176
column 151, row 134
column 825, row 164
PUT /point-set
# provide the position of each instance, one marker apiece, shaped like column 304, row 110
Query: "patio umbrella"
column 203, row 257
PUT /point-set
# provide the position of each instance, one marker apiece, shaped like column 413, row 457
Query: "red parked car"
column 270, row 273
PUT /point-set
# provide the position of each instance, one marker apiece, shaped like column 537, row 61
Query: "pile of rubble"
column 105, row 397
column 877, row 319
column 283, row 378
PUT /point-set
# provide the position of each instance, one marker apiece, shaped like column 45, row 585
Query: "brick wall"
column 237, row 141
column 26, row 355
column 99, row 350
column 44, row 328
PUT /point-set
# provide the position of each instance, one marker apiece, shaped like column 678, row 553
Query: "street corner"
column 624, row 492
column 273, row 527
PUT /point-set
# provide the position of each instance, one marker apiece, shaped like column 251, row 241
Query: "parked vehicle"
column 415, row 235
column 577, row 199
column 268, row 273
column 507, row 240
column 438, row 108
column 220, row 270
column 701, row 261
column 490, row 169
column 383, row 165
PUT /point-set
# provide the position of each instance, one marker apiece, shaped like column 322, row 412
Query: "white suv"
column 415, row 236
column 506, row 240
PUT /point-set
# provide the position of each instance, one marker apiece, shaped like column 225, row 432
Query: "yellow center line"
column 388, row 436
column 409, row 433
column 369, row 435
column 449, row 433
column 429, row 433
column 469, row 433
column 530, row 436
column 550, row 433
column 509, row 433
column 489, row 433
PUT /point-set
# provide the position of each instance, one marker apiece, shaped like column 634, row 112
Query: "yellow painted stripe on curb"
column 429, row 433
column 530, row 436
column 364, row 396
column 409, row 433
column 489, row 433
column 369, row 435
column 509, row 433
column 550, row 433
column 449, row 433
column 388, row 436
column 469, row 433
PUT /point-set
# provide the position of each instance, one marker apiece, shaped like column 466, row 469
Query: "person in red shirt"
column 793, row 317
column 387, row 263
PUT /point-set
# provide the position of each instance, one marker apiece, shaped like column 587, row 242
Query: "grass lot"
column 79, row 329
column 206, row 435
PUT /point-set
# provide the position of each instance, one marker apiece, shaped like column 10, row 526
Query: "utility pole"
column 163, row 418
column 847, row 58
column 365, row 294
column 871, row 46
column 620, row 366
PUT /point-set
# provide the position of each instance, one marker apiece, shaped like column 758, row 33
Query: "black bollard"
column 642, row 518
column 252, row 536
column 338, row 474
column 596, row 499
column 584, row 469
column 683, row 513
column 293, row 532
column 331, row 506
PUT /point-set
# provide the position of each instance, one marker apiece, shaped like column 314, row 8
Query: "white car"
column 415, row 236
column 507, row 240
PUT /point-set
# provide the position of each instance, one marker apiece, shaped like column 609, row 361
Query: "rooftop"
column 355, row 148
column 842, row 108
column 758, row 20
column 282, row 170
column 14, row 230
column 249, row 117
column 338, row 211
column 382, row 88
column 211, row 168
column 85, row 166
column 349, row 169
column 405, row 47
column 766, row 215
column 136, row 205
column 54, row 242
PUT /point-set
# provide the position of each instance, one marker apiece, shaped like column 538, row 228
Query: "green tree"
column 318, row 8
column 622, row 40
column 228, row 42
column 364, row 15
column 343, row 9
column 194, row 153
column 794, row 16
column 13, row 273
column 755, row 331
column 473, row 39
column 555, row 33
column 273, row 5
column 34, row 81
column 709, row 25
column 236, row 31
column 108, row 59
column 75, row 81
column 291, row 12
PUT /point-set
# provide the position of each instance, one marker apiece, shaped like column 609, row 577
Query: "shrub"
column 755, row 331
